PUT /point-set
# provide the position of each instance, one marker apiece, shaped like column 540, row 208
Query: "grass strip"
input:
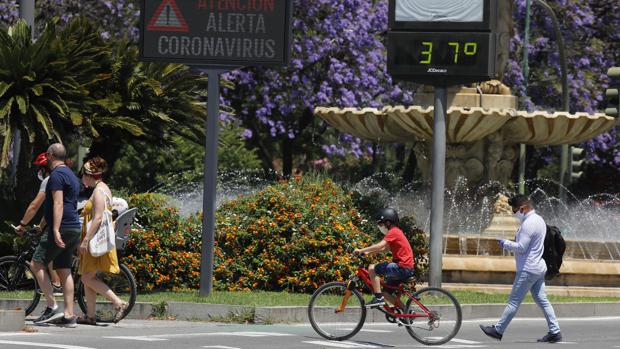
column 270, row 299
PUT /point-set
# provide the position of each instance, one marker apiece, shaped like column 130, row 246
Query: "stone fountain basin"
column 403, row 125
column 467, row 124
column 542, row 128
column 478, row 259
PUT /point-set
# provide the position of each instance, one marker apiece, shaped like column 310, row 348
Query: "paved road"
column 591, row 333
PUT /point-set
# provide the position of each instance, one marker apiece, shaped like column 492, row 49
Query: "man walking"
column 62, row 235
column 531, row 269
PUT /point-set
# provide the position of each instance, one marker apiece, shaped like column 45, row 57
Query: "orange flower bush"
column 164, row 252
column 293, row 236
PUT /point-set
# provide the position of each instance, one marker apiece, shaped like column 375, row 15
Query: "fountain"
column 185, row 190
column 471, row 252
column 483, row 133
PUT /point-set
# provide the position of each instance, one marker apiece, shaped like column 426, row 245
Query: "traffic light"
column 577, row 163
column 613, row 100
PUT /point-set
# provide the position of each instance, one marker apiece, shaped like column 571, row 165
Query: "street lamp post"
column 26, row 12
column 564, row 157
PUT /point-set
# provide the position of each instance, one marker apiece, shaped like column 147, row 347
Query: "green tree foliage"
column 44, row 85
column 141, row 167
column 233, row 153
column 145, row 101
column 72, row 86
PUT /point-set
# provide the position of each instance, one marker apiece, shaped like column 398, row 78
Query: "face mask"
column 40, row 175
column 383, row 229
column 520, row 216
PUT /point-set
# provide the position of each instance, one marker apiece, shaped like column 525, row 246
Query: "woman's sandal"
column 86, row 320
column 120, row 312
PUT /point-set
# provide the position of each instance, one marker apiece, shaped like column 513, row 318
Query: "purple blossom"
column 589, row 29
column 343, row 64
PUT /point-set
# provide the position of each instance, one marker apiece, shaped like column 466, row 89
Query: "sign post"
column 442, row 43
column 210, row 180
column 215, row 36
column 438, row 185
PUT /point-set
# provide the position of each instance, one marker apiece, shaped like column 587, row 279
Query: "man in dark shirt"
column 61, row 236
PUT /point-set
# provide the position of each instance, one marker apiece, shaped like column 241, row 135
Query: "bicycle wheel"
column 332, row 316
column 122, row 284
column 17, row 281
column 445, row 317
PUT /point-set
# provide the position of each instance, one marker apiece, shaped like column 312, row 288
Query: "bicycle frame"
column 362, row 275
column 25, row 253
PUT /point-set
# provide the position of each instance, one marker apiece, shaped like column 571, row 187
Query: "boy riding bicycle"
column 401, row 267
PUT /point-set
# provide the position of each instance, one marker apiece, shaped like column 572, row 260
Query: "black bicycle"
column 17, row 281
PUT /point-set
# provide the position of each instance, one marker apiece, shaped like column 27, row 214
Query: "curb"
column 12, row 320
column 298, row 314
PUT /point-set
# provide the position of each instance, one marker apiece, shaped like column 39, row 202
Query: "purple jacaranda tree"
column 591, row 35
column 117, row 18
column 338, row 59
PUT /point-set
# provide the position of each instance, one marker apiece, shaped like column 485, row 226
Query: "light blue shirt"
column 529, row 245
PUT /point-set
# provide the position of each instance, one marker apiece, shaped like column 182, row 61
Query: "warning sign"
column 168, row 18
column 216, row 32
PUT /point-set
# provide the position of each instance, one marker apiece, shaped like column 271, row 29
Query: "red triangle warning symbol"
column 168, row 18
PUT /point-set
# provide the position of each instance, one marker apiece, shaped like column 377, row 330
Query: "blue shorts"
column 393, row 272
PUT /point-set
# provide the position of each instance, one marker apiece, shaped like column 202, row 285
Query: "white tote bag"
column 104, row 239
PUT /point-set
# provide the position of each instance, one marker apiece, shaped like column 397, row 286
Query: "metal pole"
column 569, row 164
column 438, row 185
column 210, row 178
column 565, row 102
column 563, row 171
column 526, row 74
column 26, row 11
column 522, row 158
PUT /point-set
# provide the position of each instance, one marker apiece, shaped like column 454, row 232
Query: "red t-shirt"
column 402, row 254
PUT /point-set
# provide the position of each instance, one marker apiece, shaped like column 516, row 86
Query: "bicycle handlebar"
column 29, row 233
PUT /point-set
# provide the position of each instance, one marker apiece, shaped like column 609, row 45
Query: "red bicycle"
column 337, row 310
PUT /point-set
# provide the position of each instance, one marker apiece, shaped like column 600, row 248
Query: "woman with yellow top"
column 92, row 173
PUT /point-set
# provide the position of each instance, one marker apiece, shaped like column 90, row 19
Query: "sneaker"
column 68, row 322
column 57, row 290
column 48, row 315
column 491, row 332
column 375, row 302
column 551, row 337
column 44, row 314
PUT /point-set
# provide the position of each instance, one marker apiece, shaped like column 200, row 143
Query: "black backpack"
column 554, row 251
